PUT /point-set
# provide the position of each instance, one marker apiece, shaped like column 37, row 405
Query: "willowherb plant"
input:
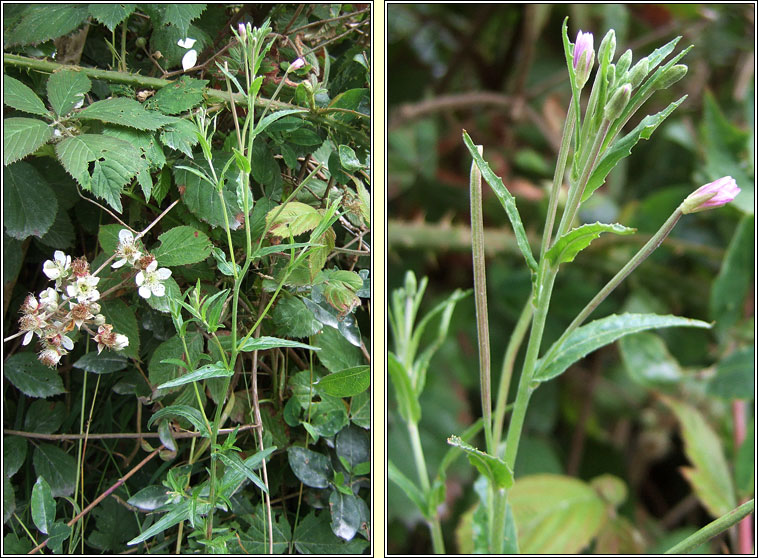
column 591, row 146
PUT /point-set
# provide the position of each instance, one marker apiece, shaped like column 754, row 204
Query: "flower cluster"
column 149, row 278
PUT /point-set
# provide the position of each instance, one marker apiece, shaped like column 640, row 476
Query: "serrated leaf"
column 44, row 417
column 42, row 505
column 111, row 15
column 42, row 22
column 23, row 136
column 339, row 288
column 407, row 401
column 599, row 333
column 346, row 383
column 124, row 112
column 255, row 541
column 293, row 219
column 710, row 476
column 506, row 200
column 318, row 256
column 492, row 467
column 180, row 135
column 180, row 95
column 216, row 370
column 122, row 318
column 103, row 363
column 181, row 246
column 61, row 233
column 65, row 89
column 181, row 15
column 184, row 411
column 31, row 377
column 58, row 468
column 264, row 343
column 623, row 147
column 30, row 206
column 116, row 162
column 291, row 317
column 21, row 97
column 310, row 467
column 570, row 244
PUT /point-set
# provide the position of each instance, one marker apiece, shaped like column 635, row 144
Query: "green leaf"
column 292, row 219
column 266, row 121
column 151, row 497
column 43, row 505
column 44, row 417
column 65, row 89
column 179, row 513
column 122, row 318
column 116, row 162
column 181, row 246
column 233, row 461
column 124, row 112
column 339, row 288
column 107, row 236
column 264, row 343
column 494, row 468
column 234, row 477
column 216, row 370
column 337, row 352
column 9, row 506
column 158, row 371
column 58, row 468
column 255, row 541
column 709, row 476
column 180, row 95
column 22, row 136
column 623, row 147
column 29, row 205
column 648, row 361
column 291, row 317
column 599, row 333
column 555, row 514
column 61, row 233
column 407, row 401
column 313, row 536
column 744, row 465
column 360, row 410
column 111, row 15
column 411, row 490
column 20, row 97
column 353, row 445
column 180, row 135
column 735, row 277
column 574, row 241
column 348, row 159
column 31, row 377
column 103, row 363
column 14, row 454
column 507, row 201
column 114, row 525
column 346, row 383
column 42, row 22
column 59, row 532
column 310, row 467
column 181, row 15
column 346, row 514
column 735, row 376
column 184, row 411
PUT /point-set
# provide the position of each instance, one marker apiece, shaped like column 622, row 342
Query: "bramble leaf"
column 182, row 245
column 111, row 15
column 20, row 97
column 22, row 136
column 30, row 205
column 65, row 89
column 125, row 112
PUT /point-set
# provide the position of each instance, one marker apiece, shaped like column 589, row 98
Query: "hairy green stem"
column 713, row 528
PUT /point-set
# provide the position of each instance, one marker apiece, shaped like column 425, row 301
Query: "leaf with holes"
column 23, row 136
column 65, row 89
column 101, row 164
column 179, row 96
column 125, row 112
column 20, row 97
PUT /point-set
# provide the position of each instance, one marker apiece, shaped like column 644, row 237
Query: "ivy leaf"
column 42, row 22
column 294, row 218
column 31, row 377
column 30, row 205
column 180, row 95
column 20, row 97
column 125, row 112
column 65, row 89
column 494, row 468
column 115, row 163
column 22, row 136
column 570, row 244
column 599, row 333
column 111, row 15
column 182, row 245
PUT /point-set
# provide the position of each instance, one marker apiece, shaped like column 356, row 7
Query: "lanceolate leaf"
column 125, row 112
column 217, row 370
column 233, row 461
column 599, row 333
column 406, row 400
column 43, row 505
column 494, row 468
column 271, row 118
column 22, row 136
column 411, row 490
column 179, row 513
column 263, row 343
column 65, row 89
column 570, row 244
column 184, row 411
column 21, row 97
column 506, row 199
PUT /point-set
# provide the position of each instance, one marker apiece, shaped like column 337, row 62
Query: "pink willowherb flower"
column 297, row 64
column 714, row 194
column 584, row 57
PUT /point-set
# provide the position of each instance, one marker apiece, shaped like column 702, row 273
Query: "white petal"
column 119, row 263
column 51, row 270
column 59, row 256
column 144, row 292
column 67, row 343
column 27, row 337
column 163, row 273
column 159, row 289
column 126, row 236
column 153, row 265
column 71, row 290
column 140, row 278
column 186, row 43
column 189, row 60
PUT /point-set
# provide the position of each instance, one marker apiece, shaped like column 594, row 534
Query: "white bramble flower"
column 58, row 267
column 31, row 324
column 48, row 300
column 151, row 280
column 127, row 249
column 84, row 289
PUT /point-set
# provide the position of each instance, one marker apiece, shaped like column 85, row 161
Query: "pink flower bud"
column 297, row 64
column 714, row 194
column 584, row 57
column 242, row 31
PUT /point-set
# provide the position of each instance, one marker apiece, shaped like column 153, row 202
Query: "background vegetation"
column 498, row 71
column 99, row 118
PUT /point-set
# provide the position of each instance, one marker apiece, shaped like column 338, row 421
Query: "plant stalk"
column 438, row 543
column 713, row 528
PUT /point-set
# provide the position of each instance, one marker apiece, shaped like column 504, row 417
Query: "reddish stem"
column 745, row 526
